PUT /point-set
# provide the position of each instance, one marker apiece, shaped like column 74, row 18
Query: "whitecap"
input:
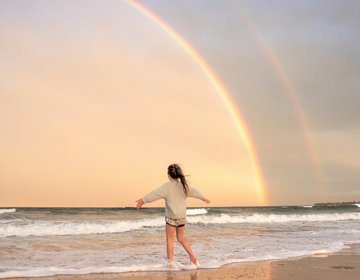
column 193, row 212
column 7, row 210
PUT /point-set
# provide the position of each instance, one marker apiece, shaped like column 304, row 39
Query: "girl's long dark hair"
column 175, row 172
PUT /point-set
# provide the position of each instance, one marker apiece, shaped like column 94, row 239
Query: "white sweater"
column 175, row 200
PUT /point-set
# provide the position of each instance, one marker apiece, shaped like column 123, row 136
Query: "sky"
column 97, row 99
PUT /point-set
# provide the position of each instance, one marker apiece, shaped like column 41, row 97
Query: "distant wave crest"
column 192, row 212
column 273, row 218
column 7, row 210
column 43, row 228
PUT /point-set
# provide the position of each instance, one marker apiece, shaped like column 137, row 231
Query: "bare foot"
column 194, row 261
column 171, row 264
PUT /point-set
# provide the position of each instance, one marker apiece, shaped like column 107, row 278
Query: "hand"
column 206, row 200
column 139, row 204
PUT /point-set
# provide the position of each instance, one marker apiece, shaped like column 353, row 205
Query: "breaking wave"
column 273, row 218
column 43, row 228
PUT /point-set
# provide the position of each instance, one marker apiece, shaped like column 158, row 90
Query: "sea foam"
column 162, row 265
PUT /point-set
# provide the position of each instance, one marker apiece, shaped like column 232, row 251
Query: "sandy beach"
column 344, row 265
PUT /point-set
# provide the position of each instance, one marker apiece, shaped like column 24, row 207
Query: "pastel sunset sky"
column 97, row 99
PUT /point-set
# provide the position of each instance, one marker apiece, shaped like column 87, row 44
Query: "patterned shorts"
column 175, row 222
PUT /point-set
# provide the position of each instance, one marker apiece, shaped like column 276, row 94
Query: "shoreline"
column 343, row 264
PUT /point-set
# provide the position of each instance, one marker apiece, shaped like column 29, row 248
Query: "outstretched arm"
column 206, row 200
column 139, row 204
column 192, row 192
column 154, row 195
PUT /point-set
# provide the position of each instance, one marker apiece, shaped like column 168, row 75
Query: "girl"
column 174, row 193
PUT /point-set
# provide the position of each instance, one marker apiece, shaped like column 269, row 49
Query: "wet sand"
column 342, row 265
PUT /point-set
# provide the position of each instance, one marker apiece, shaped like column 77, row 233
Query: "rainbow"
column 235, row 113
column 290, row 91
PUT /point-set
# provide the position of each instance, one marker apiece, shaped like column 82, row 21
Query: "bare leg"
column 170, row 241
column 184, row 243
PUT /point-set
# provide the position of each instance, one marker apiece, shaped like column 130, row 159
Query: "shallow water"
column 50, row 241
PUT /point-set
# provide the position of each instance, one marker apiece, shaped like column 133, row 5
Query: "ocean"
column 54, row 241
